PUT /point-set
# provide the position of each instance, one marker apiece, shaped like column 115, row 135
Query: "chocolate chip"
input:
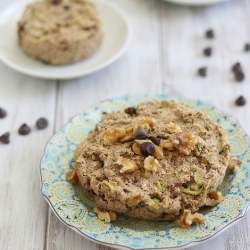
column 140, row 134
column 239, row 76
column 240, row 101
column 237, row 67
column 3, row 113
column 5, row 138
column 42, row 123
column 202, row 71
column 210, row 34
column 147, row 148
column 247, row 47
column 155, row 140
column 66, row 7
column 24, row 129
column 56, row 1
column 207, row 51
column 130, row 110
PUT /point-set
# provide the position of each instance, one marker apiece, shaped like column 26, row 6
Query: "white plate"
column 116, row 38
column 195, row 2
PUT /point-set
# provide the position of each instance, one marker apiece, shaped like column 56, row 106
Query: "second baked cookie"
column 60, row 32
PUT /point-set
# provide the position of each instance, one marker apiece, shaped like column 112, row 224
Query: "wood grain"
column 163, row 57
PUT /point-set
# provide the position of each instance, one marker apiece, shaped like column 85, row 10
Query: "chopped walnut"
column 187, row 219
column 145, row 123
column 128, row 165
column 72, row 177
column 167, row 144
column 158, row 154
column 173, row 128
column 136, row 146
column 111, row 136
column 150, row 163
column 112, row 215
column 128, row 136
column 184, row 142
column 134, row 200
column 234, row 163
column 104, row 215
column 214, row 198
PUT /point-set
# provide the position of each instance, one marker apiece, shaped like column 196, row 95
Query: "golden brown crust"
column 194, row 155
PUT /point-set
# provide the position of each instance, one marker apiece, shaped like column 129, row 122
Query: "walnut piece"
column 187, row 219
column 150, row 163
column 234, row 163
column 145, row 123
column 167, row 144
column 105, row 215
column 134, row 200
column 214, row 198
column 72, row 177
column 128, row 165
column 111, row 136
column 184, row 142
column 173, row 128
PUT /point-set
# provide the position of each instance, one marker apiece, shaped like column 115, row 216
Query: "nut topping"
column 184, row 142
column 173, row 128
column 233, row 163
column 214, row 199
column 72, row 177
column 128, row 166
column 150, row 164
column 104, row 215
column 187, row 219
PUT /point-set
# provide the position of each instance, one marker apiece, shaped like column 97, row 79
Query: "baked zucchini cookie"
column 154, row 161
column 60, row 31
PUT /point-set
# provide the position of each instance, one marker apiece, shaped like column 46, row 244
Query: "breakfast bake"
column 158, row 161
column 60, row 31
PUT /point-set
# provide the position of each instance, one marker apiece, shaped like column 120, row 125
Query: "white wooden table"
column 163, row 57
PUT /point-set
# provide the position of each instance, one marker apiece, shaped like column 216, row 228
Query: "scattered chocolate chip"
column 66, row 7
column 130, row 110
column 240, row 101
column 207, row 51
column 56, row 1
column 155, row 140
column 147, row 148
column 5, row 138
column 42, row 123
column 237, row 67
column 247, row 47
column 210, row 34
column 3, row 113
column 140, row 134
column 202, row 71
column 24, row 129
column 239, row 76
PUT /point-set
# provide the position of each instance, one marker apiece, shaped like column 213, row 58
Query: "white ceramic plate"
column 116, row 39
column 195, row 2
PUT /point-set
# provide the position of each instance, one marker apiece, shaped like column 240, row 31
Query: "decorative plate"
column 116, row 31
column 75, row 208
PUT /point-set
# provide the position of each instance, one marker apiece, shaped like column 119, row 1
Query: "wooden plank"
column 183, row 41
column 23, row 210
column 182, row 44
column 137, row 71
